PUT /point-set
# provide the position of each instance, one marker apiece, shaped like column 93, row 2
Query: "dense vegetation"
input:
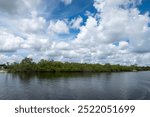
column 27, row 65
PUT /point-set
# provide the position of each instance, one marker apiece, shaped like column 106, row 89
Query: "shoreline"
column 9, row 71
column 3, row 71
column 28, row 65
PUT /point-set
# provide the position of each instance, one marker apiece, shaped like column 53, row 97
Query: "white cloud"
column 59, row 27
column 33, row 24
column 76, row 23
column 9, row 42
column 110, row 4
column 35, row 42
column 88, row 33
column 123, row 45
column 13, row 58
column 119, row 23
column 118, row 33
column 115, row 22
column 32, row 3
column 67, row 2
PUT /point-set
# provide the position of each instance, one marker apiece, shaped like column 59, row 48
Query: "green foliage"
column 27, row 65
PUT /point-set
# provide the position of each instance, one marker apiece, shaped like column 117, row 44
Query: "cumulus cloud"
column 33, row 24
column 119, row 23
column 76, row 23
column 123, row 45
column 35, row 42
column 118, row 33
column 59, row 27
column 9, row 42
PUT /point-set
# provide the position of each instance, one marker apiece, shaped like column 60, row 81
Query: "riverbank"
column 27, row 65
column 3, row 71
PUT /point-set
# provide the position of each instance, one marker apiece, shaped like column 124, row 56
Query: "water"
column 47, row 86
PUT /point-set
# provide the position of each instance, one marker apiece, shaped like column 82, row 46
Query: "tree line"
column 28, row 65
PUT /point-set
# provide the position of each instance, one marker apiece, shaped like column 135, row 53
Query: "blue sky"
column 85, row 31
column 77, row 7
column 144, row 7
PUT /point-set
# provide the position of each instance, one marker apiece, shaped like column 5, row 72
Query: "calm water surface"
column 45, row 86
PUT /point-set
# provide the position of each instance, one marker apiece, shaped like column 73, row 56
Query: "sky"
column 84, row 31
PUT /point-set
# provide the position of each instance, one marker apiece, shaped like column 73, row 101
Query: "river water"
column 83, row 86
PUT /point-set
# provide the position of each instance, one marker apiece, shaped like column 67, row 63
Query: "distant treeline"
column 27, row 65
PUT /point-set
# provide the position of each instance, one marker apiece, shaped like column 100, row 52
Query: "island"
column 28, row 65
